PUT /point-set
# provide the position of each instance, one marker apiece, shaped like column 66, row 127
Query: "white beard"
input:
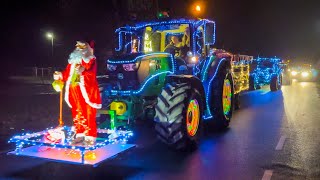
column 81, row 54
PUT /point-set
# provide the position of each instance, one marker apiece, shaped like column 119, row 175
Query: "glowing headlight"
column 194, row 59
column 293, row 73
column 305, row 74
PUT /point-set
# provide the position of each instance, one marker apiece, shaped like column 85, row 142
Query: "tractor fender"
column 222, row 64
column 193, row 80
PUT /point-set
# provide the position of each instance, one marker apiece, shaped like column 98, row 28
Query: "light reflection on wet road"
column 244, row 151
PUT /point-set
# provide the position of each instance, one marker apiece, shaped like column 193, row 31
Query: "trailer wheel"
column 223, row 99
column 178, row 116
column 237, row 103
column 275, row 83
column 251, row 83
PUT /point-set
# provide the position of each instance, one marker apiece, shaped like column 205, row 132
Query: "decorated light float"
column 79, row 143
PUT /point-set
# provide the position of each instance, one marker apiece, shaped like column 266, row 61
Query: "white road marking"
column 280, row 143
column 267, row 175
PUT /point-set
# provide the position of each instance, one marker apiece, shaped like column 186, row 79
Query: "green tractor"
column 167, row 71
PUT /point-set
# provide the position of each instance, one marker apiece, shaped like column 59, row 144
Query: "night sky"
column 289, row 29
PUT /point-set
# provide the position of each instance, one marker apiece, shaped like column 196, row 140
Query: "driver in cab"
column 174, row 46
column 177, row 48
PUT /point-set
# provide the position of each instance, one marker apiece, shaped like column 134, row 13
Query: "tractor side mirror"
column 209, row 33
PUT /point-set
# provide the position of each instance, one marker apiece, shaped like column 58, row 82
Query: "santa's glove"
column 57, row 75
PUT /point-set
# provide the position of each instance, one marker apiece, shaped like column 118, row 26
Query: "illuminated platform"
column 110, row 144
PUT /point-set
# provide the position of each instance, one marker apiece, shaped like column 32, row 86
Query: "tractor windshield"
column 171, row 38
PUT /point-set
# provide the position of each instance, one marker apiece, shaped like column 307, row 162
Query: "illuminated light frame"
column 21, row 140
column 208, row 91
column 196, row 23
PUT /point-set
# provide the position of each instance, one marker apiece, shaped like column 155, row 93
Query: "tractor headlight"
column 111, row 67
column 294, row 73
column 194, row 59
column 305, row 74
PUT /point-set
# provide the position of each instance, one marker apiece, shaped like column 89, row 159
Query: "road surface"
column 275, row 135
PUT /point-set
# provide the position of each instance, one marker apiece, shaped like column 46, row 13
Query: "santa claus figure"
column 81, row 91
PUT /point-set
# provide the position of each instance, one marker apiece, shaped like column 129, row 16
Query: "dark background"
column 289, row 29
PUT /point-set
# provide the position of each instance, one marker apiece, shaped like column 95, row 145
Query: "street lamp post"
column 50, row 36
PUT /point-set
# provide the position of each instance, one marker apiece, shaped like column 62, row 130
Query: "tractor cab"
column 146, row 52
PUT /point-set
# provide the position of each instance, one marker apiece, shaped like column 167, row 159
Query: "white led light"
column 305, row 74
column 294, row 73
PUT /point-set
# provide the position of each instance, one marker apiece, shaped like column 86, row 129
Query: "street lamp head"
column 50, row 35
column 198, row 8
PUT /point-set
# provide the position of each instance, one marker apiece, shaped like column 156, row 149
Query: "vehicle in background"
column 305, row 73
column 266, row 71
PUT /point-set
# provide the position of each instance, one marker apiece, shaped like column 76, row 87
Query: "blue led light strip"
column 120, row 39
column 135, row 59
column 203, row 74
column 142, row 87
column 208, row 90
column 196, row 23
column 142, row 25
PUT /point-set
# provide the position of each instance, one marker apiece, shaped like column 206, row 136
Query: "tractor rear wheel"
column 178, row 116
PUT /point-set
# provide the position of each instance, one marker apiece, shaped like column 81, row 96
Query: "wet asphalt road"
column 274, row 134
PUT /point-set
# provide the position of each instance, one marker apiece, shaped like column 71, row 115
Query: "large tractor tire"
column 275, row 84
column 223, row 99
column 178, row 116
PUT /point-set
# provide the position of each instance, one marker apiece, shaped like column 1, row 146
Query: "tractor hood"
column 125, row 57
column 134, row 73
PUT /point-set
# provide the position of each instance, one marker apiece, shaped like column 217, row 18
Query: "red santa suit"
column 81, row 90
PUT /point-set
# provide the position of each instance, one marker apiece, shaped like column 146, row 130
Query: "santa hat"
column 91, row 43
